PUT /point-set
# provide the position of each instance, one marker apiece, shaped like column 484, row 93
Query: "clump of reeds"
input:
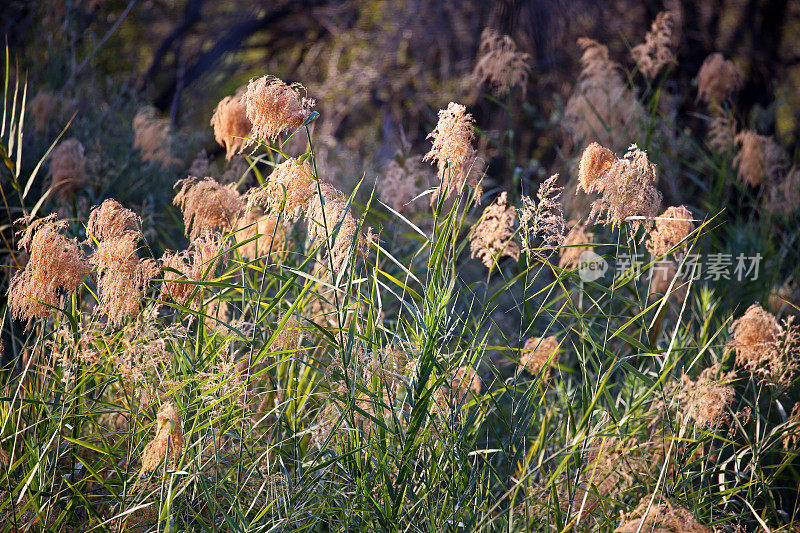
column 207, row 206
column 717, row 79
column 55, row 269
column 671, row 228
column 121, row 275
column 273, row 107
column 626, row 186
column 500, row 63
column 193, row 264
column 759, row 156
column 452, row 151
column 656, row 50
column 493, row 236
column 67, row 168
column 230, row 123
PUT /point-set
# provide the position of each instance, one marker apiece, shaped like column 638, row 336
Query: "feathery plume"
column 627, row 189
column 273, row 107
column 327, row 209
column 601, row 106
column 722, row 130
column 207, row 206
column 544, row 219
column 661, row 276
column 121, row 276
column 673, row 226
column 766, row 348
column 575, row 245
column 67, row 168
column 55, row 269
column 151, row 137
column 783, row 196
column 400, row 184
column 595, row 162
column 43, row 107
column 706, row 400
column 168, row 441
column 656, row 50
column 267, row 235
column 230, row 123
column 717, row 79
column 662, row 517
column 453, row 152
column 493, row 236
column 540, row 354
column 758, row 156
column 500, row 63
column 292, row 179
column 194, row 264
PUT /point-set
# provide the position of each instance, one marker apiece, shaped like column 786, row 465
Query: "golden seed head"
column 207, row 205
column 67, row 168
column 672, row 227
column 231, row 125
column 540, row 354
column 574, row 246
column 656, row 50
column 717, row 79
column 168, row 441
column 759, row 157
column 493, row 236
column 500, row 63
column 273, row 107
column 151, row 136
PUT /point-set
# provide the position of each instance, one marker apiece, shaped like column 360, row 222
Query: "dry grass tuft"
column 291, row 179
column 671, row 227
column 67, row 169
column 230, row 123
column 194, row 264
column 273, row 107
column 453, row 152
column 402, row 182
column 43, row 107
column 717, row 79
column 707, row 399
column 501, row 64
column 656, row 50
column 55, row 269
column 168, row 441
column 493, row 236
column 540, row 355
column 207, row 205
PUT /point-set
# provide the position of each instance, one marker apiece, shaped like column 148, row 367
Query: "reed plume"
column 327, row 210
column 121, row 275
column 44, row 106
column 230, row 123
column 543, row 219
column 259, row 234
column 660, row 517
column 717, row 79
column 493, row 236
column 288, row 190
column 501, row 64
column 55, row 269
column 453, row 152
column 758, row 156
column 671, row 227
column 151, row 136
column 207, row 206
column 540, row 355
column 574, row 245
column 656, row 50
column 67, row 171
column 167, row 444
column 273, row 107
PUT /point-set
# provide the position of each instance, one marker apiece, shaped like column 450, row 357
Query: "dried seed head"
column 656, row 50
column 151, row 137
column 544, row 219
column 195, row 264
column 290, row 335
column 539, row 355
column 661, row 276
column 230, row 123
column 674, row 225
column 121, row 275
column 207, row 206
column 267, row 235
column 273, row 107
column 783, row 196
column 717, row 79
column 573, row 244
column 291, row 179
column 756, row 337
column 722, row 130
column 493, row 236
column 758, row 156
column 452, row 150
column 627, row 188
column 43, row 107
column 595, row 162
column 400, row 184
column 55, row 269
column 67, row 168
column 328, row 209
column 601, row 106
column 707, row 399
column 168, row 441
column 500, row 63
column 660, row 517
